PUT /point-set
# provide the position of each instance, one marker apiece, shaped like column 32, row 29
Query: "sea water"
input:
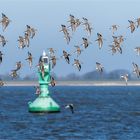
column 100, row 113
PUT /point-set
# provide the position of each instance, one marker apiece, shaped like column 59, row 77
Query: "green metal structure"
column 44, row 103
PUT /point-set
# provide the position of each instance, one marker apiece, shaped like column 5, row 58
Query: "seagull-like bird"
column 131, row 26
column 125, row 78
column 85, row 42
column 78, row 50
column 77, row 64
column 114, row 28
column 100, row 40
column 137, row 49
column 51, row 51
column 30, row 59
column 136, row 69
column 5, row 21
column 53, row 59
column 21, row 42
column 18, row 65
column 71, row 107
column 3, row 40
column 1, row 54
column 66, row 56
column 99, row 67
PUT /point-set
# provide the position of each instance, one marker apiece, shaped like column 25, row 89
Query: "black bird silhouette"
column 71, row 107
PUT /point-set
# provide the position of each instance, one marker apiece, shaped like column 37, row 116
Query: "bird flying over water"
column 77, row 64
column 71, row 107
column 137, row 49
column 85, row 42
column 1, row 54
column 30, row 59
column 131, row 26
column 14, row 74
column 99, row 67
column 53, row 82
column 3, row 40
column 136, row 69
column 18, row 65
column 66, row 56
column 5, row 21
column 125, row 78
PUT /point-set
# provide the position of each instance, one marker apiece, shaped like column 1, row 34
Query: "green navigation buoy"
column 44, row 103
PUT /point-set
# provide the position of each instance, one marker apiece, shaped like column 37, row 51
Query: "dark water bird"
column 131, row 26
column 137, row 49
column 53, row 59
column 125, row 78
column 138, row 22
column 14, row 74
column 5, row 21
column 87, row 25
column 85, row 42
column 21, row 42
column 136, row 69
column 1, row 82
column 53, row 82
column 99, row 67
column 3, row 40
column 66, row 56
column 1, row 56
column 30, row 59
column 77, row 64
column 78, row 50
column 18, row 65
column 100, row 40
column 71, row 107
column 114, row 28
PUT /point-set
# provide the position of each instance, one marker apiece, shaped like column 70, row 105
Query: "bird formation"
column 68, row 32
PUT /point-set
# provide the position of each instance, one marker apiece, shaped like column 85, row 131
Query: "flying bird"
column 85, row 42
column 21, row 42
column 30, row 59
column 100, row 40
column 18, row 65
column 71, row 107
column 99, row 67
column 53, row 82
column 53, row 59
column 14, row 74
column 3, row 40
column 1, row 54
column 125, row 78
column 138, row 22
column 131, row 26
column 1, row 82
column 77, row 64
column 137, row 49
column 66, row 56
column 78, row 50
column 136, row 69
column 51, row 51
column 5, row 21
column 114, row 28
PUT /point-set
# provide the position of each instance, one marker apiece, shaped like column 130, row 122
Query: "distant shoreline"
column 74, row 83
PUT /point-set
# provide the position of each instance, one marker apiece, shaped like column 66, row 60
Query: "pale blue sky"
column 47, row 16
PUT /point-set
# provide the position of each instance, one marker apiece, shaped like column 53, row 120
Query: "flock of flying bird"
column 74, row 23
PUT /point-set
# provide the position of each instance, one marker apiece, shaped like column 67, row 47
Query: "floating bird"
column 53, row 82
column 1, row 54
column 66, row 56
column 136, row 70
column 137, row 49
column 3, row 40
column 132, row 26
column 30, row 59
column 114, row 28
column 71, row 107
column 78, row 50
column 5, row 21
column 77, row 64
column 100, row 40
column 21, row 42
column 99, row 67
column 85, row 42
column 124, row 77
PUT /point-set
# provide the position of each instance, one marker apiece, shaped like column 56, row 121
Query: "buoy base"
column 44, row 104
